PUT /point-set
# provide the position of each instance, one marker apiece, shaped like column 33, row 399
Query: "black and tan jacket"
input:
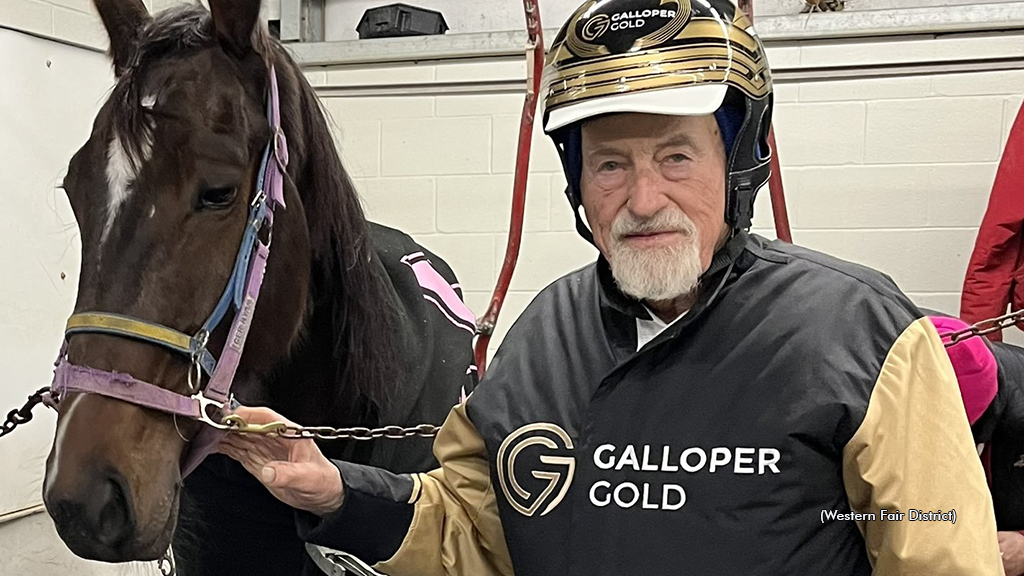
column 757, row 435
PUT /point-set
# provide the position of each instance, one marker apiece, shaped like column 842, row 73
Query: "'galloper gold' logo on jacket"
column 517, row 470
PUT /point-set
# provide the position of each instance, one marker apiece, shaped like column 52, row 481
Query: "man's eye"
column 677, row 158
column 608, row 166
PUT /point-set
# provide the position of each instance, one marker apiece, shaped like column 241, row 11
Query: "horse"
column 356, row 324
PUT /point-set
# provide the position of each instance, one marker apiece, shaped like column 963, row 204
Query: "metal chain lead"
column 19, row 416
column 287, row 431
column 984, row 327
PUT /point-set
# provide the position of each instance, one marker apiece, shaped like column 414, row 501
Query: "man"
column 699, row 400
column 991, row 379
column 993, row 274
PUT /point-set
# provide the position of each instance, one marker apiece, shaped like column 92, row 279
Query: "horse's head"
column 161, row 193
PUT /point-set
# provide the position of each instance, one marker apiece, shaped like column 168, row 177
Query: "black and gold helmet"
column 674, row 57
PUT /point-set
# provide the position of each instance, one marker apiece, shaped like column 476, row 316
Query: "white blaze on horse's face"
column 121, row 173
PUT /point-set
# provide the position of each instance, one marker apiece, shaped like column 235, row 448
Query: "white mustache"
column 626, row 224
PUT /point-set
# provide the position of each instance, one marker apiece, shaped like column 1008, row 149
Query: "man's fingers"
column 280, row 475
column 259, row 415
column 252, row 463
column 262, row 446
column 228, row 450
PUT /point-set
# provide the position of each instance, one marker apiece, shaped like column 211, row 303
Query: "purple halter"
column 241, row 293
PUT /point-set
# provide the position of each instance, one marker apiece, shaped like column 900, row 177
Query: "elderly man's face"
column 654, row 195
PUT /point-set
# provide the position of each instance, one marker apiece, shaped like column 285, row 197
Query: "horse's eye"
column 215, row 198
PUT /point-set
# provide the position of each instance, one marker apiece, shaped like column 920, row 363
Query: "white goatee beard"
column 658, row 273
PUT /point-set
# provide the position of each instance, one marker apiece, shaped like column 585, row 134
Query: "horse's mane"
column 349, row 285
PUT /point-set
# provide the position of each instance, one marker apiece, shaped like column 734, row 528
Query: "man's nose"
column 647, row 193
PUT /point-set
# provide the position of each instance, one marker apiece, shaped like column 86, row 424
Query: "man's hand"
column 1011, row 545
column 295, row 471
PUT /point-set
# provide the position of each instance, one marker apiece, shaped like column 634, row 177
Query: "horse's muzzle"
column 97, row 522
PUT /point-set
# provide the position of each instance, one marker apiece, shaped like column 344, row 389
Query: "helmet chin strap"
column 748, row 169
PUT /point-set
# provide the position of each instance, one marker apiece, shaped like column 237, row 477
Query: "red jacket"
column 995, row 275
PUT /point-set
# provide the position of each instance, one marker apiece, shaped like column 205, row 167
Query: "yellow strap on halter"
column 130, row 327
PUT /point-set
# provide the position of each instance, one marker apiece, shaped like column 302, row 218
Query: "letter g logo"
column 596, row 27
column 513, row 473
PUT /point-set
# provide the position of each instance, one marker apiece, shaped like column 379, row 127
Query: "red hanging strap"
column 778, row 195
column 534, row 68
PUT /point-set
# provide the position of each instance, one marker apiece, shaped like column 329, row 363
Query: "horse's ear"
column 235, row 22
column 123, row 20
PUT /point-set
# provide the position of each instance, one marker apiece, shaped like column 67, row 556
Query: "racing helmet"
column 673, row 57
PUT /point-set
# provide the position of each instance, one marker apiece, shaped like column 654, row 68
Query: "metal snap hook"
column 204, row 414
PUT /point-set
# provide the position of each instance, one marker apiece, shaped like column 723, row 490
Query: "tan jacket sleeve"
column 455, row 527
column 914, row 452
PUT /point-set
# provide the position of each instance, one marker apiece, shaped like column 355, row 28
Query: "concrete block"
column 867, row 52
column 85, row 6
column 1011, row 108
column 866, row 89
column 315, row 76
column 979, row 47
column 482, row 69
column 379, row 107
column 83, row 28
column 763, row 216
column 786, row 92
column 161, row 5
column 404, row 203
column 858, row 197
column 769, row 233
column 435, row 146
column 543, row 155
column 477, row 301
column 864, row 52
column 484, row 203
column 978, row 83
column 958, row 194
column 782, row 57
column 921, row 260
column 934, row 130
column 944, row 302
column 561, row 212
column 820, row 134
column 379, row 74
column 27, row 15
column 513, row 307
column 471, row 256
column 359, row 145
column 546, row 256
column 479, row 104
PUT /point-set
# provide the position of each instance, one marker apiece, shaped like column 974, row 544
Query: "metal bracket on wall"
column 302, row 20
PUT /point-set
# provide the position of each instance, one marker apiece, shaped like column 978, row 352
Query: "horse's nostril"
column 111, row 513
column 97, row 520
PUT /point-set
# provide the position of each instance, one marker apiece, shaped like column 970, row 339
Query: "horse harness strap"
column 241, row 293
column 118, row 325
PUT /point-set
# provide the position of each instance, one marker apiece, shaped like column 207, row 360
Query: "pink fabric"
column 974, row 365
column 69, row 378
column 432, row 280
